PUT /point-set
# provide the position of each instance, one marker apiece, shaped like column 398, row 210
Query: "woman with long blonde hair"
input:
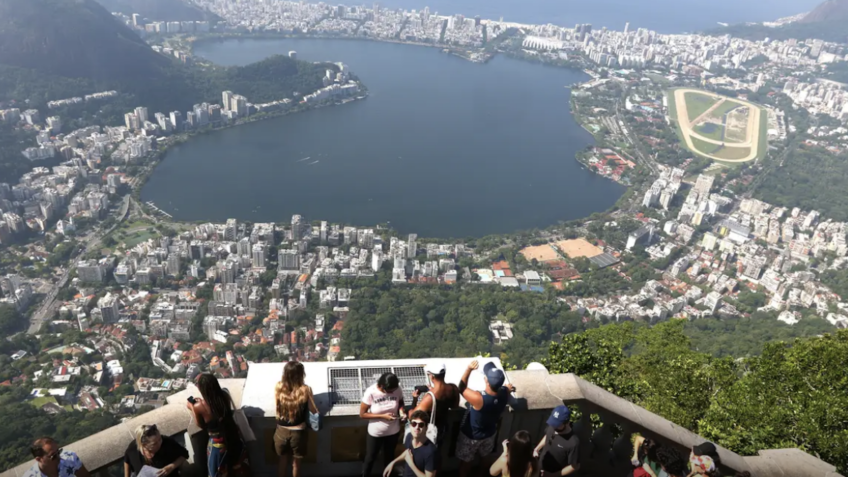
column 294, row 403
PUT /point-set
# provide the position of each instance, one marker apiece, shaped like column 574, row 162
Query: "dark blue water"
column 442, row 147
column 665, row 16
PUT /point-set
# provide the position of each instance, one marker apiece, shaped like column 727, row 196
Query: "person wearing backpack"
column 439, row 398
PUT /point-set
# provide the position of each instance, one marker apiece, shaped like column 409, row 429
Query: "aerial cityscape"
column 632, row 244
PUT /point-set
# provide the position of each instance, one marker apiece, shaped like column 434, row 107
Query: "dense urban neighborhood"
column 735, row 210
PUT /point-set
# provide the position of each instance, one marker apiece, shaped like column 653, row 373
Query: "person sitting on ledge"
column 151, row 448
column 671, row 462
column 645, row 458
column 52, row 461
column 421, row 454
column 704, row 461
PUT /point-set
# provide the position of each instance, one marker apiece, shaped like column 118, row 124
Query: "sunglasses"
column 55, row 455
column 150, row 431
column 417, row 424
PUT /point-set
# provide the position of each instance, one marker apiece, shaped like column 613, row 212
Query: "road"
column 645, row 159
column 45, row 309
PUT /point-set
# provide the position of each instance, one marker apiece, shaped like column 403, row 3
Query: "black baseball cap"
column 707, row 448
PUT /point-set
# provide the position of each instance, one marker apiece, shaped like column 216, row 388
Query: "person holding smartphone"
column 226, row 452
column 382, row 406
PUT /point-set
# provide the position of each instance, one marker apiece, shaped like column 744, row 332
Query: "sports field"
column 718, row 127
column 542, row 253
column 578, row 248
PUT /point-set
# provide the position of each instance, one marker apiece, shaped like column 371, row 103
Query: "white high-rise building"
column 244, row 247
column 297, row 227
column 376, row 260
column 131, row 121
column 238, row 104
column 288, row 259
column 141, row 112
column 703, row 185
column 164, row 122
column 227, row 99
column 55, row 124
column 323, row 233
column 174, row 264
column 260, row 252
column 412, row 246
column 176, row 120
column 230, row 230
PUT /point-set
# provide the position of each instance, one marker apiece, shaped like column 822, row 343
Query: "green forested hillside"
column 53, row 49
column 388, row 321
column 74, row 38
column 792, row 395
column 810, row 178
column 56, row 49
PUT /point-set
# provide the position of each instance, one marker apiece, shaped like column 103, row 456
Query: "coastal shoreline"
column 159, row 155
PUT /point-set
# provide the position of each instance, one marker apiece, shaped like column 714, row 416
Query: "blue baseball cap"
column 559, row 416
column 494, row 375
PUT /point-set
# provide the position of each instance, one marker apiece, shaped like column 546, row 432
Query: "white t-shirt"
column 383, row 403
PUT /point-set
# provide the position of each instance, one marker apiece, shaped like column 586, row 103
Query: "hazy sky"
column 667, row 16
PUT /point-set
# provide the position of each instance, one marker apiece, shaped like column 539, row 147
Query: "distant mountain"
column 76, row 39
column 829, row 11
column 160, row 10
column 828, row 22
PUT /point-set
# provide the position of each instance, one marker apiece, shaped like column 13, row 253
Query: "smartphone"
column 192, row 400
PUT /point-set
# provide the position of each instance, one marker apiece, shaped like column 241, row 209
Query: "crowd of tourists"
column 421, row 428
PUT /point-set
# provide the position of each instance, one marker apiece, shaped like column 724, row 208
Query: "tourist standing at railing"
column 479, row 426
column 421, row 455
column 704, row 461
column 51, row 461
column 294, row 403
column 644, row 460
column 517, row 458
column 226, row 453
column 671, row 462
column 559, row 449
column 382, row 406
column 152, row 449
column 444, row 395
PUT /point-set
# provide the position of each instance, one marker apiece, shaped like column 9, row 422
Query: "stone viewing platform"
column 605, row 423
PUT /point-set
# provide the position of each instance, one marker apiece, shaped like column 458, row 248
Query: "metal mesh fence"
column 349, row 384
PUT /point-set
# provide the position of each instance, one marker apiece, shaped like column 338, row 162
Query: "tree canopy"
column 23, row 423
column 10, row 319
column 793, row 395
column 426, row 321
column 810, row 178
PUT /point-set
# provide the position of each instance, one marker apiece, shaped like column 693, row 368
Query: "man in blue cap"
column 560, row 448
column 480, row 424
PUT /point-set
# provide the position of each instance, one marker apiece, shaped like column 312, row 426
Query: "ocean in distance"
column 442, row 147
column 664, row 16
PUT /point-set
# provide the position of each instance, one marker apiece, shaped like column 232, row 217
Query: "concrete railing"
column 605, row 427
